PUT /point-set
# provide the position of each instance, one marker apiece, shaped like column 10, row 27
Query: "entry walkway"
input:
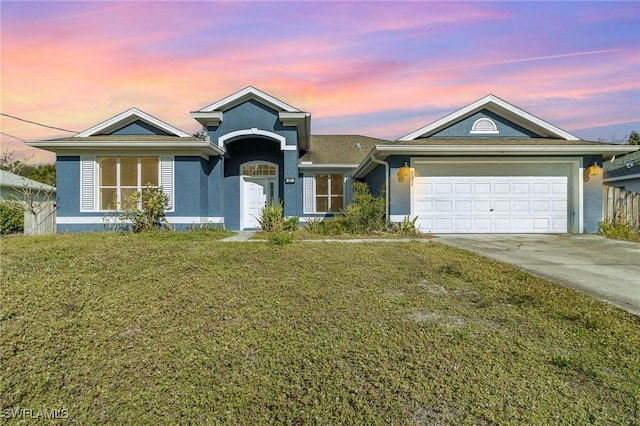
column 604, row 268
column 241, row 236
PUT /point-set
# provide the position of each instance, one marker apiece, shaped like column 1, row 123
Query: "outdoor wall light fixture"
column 406, row 172
column 592, row 170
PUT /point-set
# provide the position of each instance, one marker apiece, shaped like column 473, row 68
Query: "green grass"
column 180, row 329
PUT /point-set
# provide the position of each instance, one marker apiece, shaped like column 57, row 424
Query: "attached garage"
column 513, row 197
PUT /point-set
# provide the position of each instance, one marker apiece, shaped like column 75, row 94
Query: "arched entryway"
column 258, row 188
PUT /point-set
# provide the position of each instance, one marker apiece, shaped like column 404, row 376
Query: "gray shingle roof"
column 14, row 181
column 340, row 149
column 623, row 166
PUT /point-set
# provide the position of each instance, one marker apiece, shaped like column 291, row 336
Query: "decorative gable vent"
column 484, row 126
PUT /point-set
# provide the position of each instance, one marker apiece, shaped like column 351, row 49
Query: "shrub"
column 406, row 228
column 366, row 213
column 313, row 225
column 272, row 219
column 11, row 220
column 281, row 238
column 618, row 230
column 143, row 211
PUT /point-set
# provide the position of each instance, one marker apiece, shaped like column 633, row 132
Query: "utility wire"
column 11, row 136
column 37, row 124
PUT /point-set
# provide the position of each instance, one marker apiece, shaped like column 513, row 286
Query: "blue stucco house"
column 488, row 167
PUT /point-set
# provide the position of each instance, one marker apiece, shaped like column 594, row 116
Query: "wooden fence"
column 620, row 205
column 42, row 220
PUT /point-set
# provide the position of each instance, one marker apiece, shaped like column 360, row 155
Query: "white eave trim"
column 488, row 102
column 201, row 148
column 213, row 118
column 246, row 94
column 383, row 151
column 317, row 166
column 503, row 149
column 127, row 116
column 257, row 132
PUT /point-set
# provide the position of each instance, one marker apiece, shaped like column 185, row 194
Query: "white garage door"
column 483, row 204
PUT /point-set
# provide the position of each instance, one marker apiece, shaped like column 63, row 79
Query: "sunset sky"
column 381, row 69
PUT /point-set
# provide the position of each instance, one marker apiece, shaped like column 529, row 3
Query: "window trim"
column 139, row 185
column 329, row 196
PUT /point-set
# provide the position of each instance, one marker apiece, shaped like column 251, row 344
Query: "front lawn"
column 139, row 329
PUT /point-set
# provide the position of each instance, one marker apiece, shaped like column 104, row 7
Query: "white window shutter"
column 308, row 193
column 87, row 184
column 348, row 190
column 166, row 179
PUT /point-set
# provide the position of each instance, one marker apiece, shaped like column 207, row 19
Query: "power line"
column 37, row 124
column 11, row 136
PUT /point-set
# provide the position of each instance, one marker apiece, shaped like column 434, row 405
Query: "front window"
column 329, row 193
column 120, row 177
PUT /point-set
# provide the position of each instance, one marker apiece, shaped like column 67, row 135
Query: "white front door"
column 257, row 192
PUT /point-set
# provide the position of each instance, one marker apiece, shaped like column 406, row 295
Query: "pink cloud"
column 85, row 65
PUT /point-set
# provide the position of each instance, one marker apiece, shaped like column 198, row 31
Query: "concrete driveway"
column 604, row 268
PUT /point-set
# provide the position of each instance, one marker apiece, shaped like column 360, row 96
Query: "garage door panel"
column 541, row 224
column 463, row 206
column 482, row 188
column 501, row 224
column 482, row 224
column 441, row 188
column 540, row 206
column 521, row 224
column 481, row 206
column 501, row 188
column 444, row 206
column 443, row 223
column 462, row 188
column 521, row 206
column 521, row 188
column 424, row 206
column 541, row 188
column 559, row 189
column 504, row 204
column 463, row 224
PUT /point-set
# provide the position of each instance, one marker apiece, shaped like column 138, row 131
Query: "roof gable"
column 499, row 107
column 249, row 93
column 484, row 124
column 133, row 121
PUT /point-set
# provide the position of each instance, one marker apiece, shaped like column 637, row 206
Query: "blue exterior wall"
column 592, row 196
column 190, row 188
column 240, row 152
column 462, row 129
column 68, row 184
column 400, row 195
column 248, row 115
column 376, row 179
column 68, row 192
column 139, row 127
column 252, row 114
